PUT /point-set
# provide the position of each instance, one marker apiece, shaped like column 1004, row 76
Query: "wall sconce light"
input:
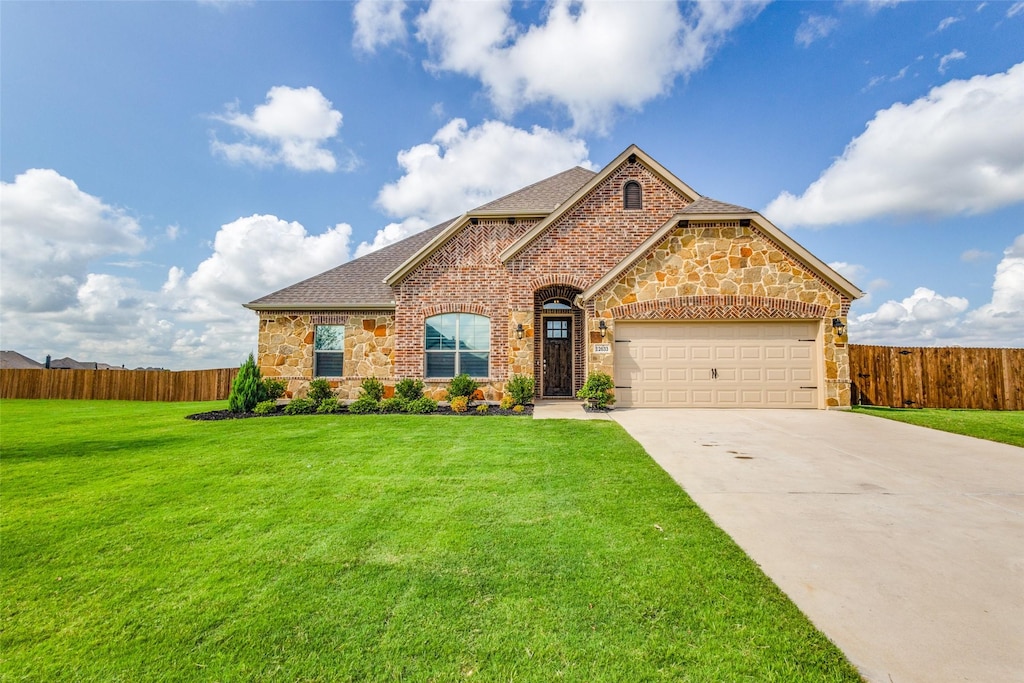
column 603, row 327
column 519, row 331
column 838, row 327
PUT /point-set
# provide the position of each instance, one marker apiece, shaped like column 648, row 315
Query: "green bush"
column 459, row 404
column 421, row 406
column 518, row 409
column 273, row 388
column 330, row 405
column 363, row 405
column 373, row 388
column 598, row 390
column 463, row 385
column 394, row 404
column 300, row 406
column 507, row 402
column 265, row 407
column 319, row 391
column 409, row 389
column 520, row 388
column 482, row 408
column 247, row 389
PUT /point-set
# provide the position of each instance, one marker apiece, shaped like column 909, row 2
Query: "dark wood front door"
column 558, row 356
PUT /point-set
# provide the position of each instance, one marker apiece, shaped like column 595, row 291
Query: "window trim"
column 638, row 200
column 457, row 351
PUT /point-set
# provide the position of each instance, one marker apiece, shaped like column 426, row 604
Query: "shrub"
column 598, row 390
column 520, row 388
column 459, row 404
column 507, row 402
column 462, row 386
column 320, row 391
column 482, row 408
column 409, row 389
column 363, row 405
column 373, row 388
column 300, row 406
column 518, row 409
column 393, row 405
column 273, row 388
column 330, row 405
column 421, row 406
column 247, row 388
column 265, row 407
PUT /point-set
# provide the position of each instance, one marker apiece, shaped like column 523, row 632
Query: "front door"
column 557, row 351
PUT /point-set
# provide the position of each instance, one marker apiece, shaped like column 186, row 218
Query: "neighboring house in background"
column 684, row 300
column 12, row 360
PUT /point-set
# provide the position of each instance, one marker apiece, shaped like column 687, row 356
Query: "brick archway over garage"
column 718, row 308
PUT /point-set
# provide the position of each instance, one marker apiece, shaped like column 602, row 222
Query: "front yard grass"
column 1006, row 426
column 137, row 546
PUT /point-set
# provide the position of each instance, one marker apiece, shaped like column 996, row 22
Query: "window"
column 458, row 343
column 632, row 196
column 329, row 351
column 557, row 305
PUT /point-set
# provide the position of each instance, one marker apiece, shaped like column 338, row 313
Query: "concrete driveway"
column 904, row 545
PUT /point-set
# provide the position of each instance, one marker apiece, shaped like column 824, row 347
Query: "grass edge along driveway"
column 1004, row 426
column 137, row 546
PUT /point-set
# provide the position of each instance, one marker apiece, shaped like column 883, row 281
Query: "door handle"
column 714, row 373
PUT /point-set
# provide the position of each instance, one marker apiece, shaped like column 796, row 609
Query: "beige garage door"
column 716, row 364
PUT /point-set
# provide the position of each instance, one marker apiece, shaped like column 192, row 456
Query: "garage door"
column 716, row 365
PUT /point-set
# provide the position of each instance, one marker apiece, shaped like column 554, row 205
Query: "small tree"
column 247, row 389
column 520, row 388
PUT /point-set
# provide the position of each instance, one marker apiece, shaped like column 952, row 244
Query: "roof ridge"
column 532, row 186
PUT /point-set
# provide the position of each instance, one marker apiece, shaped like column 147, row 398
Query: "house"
column 13, row 360
column 684, row 300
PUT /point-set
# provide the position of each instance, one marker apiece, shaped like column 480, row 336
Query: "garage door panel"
column 699, row 364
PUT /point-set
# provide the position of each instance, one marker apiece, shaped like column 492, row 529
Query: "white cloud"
column 51, row 230
column 289, row 129
column 851, row 271
column 947, row 22
column 974, row 255
column 558, row 62
column 813, row 28
column 463, row 167
column 54, row 301
column 953, row 56
column 1015, row 9
column 930, row 319
column 958, row 150
column 378, row 24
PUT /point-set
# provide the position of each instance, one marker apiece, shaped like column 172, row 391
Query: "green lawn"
column 137, row 546
column 1006, row 426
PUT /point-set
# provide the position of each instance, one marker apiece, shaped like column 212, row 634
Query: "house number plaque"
column 602, row 348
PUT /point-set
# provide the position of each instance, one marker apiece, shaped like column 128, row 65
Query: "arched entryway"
column 558, row 351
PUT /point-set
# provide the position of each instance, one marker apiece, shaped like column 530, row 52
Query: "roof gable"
column 533, row 201
column 706, row 209
column 630, row 154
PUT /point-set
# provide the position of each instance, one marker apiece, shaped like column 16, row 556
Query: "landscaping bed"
column 492, row 410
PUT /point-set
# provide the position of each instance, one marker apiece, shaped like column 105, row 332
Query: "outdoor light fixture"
column 838, row 327
column 603, row 327
column 519, row 331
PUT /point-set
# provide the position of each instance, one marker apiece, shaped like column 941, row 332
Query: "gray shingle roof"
column 709, row 205
column 543, row 196
column 356, row 284
column 360, row 282
column 16, row 361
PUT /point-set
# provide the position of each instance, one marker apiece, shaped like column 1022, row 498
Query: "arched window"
column 632, row 196
column 457, row 343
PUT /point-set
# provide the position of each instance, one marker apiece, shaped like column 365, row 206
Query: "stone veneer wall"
column 285, row 347
column 723, row 271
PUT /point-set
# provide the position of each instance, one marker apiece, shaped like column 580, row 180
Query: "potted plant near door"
column 598, row 392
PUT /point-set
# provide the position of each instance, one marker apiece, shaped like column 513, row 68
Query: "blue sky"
column 163, row 163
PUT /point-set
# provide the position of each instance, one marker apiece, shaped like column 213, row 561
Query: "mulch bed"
column 214, row 415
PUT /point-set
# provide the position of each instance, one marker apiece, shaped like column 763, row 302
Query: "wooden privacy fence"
column 915, row 377
column 120, row 385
